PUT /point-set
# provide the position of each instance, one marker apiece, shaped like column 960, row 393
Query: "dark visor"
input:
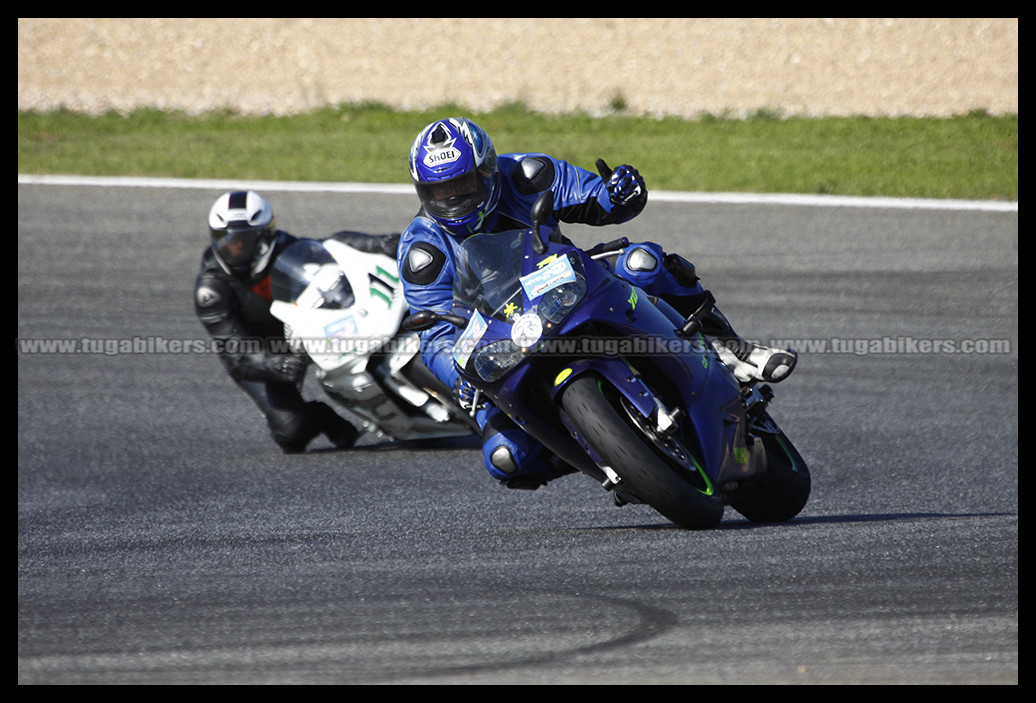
column 454, row 197
column 238, row 245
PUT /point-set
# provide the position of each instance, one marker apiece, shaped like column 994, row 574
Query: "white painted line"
column 835, row 201
column 406, row 189
column 215, row 184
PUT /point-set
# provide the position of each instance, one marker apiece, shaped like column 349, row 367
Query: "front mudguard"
column 614, row 370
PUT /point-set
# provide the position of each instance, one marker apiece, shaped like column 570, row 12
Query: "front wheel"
column 670, row 482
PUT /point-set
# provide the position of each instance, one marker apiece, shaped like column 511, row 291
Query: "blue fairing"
column 613, row 330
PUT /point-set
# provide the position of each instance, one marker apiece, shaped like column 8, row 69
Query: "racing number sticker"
column 526, row 330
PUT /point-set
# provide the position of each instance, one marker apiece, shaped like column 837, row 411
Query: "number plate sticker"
column 469, row 339
column 344, row 328
column 555, row 274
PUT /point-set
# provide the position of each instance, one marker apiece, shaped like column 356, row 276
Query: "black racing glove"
column 625, row 187
column 286, row 367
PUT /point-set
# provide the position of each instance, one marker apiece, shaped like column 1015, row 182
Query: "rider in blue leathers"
column 466, row 188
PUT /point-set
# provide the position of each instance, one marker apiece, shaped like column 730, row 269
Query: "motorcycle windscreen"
column 308, row 276
column 488, row 273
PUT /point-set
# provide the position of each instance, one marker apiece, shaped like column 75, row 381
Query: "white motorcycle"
column 343, row 307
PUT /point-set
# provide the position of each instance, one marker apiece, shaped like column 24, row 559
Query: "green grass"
column 972, row 156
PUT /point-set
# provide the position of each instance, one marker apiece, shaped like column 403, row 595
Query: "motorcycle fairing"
column 334, row 328
column 691, row 373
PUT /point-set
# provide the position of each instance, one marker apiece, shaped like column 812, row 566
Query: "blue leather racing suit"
column 427, row 255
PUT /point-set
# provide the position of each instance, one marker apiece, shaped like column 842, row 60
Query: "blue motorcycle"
column 614, row 382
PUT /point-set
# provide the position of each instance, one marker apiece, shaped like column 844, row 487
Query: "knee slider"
column 502, row 459
column 292, row 434
column 640, row 264
column 507, row 450
column 641, row 260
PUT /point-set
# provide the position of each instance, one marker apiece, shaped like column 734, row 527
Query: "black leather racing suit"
column 252, row 348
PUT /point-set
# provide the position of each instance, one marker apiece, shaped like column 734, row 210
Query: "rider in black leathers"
column 232, row 301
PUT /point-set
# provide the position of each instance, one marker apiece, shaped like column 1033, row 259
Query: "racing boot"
column 749, row 362
column 339, row 431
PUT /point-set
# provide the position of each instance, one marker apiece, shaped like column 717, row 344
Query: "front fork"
column 736, row 465
column 636, row 398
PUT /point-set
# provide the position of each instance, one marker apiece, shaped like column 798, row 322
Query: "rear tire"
column 783, row 487
column 678, row 492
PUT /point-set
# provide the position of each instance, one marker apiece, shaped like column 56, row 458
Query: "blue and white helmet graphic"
column 453, row 165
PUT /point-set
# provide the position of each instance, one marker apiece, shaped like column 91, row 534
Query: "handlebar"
column 613, row 247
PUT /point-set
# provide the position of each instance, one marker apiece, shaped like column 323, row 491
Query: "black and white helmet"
column 242, row 226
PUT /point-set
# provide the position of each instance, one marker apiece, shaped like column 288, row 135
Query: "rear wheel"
column 783, row 486
column 656, row 469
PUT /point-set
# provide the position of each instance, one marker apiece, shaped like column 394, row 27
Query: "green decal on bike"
column 387, row 297
column 386, row 274
column 791, row 457
column 709, row 490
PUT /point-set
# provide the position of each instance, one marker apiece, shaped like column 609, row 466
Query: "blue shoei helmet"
column 453, row 164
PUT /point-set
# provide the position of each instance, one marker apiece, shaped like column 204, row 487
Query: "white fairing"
column 388, row 391
column 333, row 338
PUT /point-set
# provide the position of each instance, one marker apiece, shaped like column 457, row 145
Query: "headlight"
column 557, row 302
column 494, row 360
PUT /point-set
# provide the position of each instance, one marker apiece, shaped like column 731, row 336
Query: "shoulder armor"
column 423, row 264
column 534, row 174
column 205, row 296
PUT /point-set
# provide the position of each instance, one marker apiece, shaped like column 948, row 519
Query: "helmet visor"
column 238, row 247
column 454, row 197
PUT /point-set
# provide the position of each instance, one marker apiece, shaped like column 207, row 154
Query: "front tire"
column 679, row 492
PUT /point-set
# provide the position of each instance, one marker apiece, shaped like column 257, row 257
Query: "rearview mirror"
column 425, row 319
column 541, row 211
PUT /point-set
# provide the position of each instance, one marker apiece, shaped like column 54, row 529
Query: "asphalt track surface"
column 162, row 537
